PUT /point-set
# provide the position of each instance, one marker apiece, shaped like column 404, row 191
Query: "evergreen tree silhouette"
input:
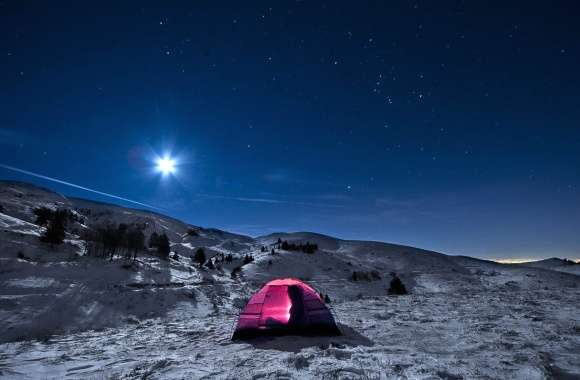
column 199, row 257
column 397, row 287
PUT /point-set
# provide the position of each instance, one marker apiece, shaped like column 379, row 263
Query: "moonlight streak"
column 77, row 186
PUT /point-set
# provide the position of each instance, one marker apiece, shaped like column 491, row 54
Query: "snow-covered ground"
column 480, row 335
column 66, row 315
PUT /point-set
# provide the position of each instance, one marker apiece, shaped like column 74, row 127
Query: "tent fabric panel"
column 313, row 305
column 320, row 316
column 311, row 296
column 253, row 308
column 259, row 297
column 308, row 291
column 248, row 322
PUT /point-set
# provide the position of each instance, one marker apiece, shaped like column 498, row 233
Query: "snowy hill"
column 554, row 263
column 424, row 271
column 95, row 317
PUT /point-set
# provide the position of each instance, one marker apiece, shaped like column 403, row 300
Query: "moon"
column 166, row 165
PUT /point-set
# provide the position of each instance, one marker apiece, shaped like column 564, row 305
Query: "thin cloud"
column 285, row 177
column 10, row 137
column 269, row 200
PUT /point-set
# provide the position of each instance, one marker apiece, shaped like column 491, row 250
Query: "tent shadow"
column 295, row 343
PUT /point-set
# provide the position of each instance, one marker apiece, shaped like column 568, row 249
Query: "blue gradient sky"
column 451, row 126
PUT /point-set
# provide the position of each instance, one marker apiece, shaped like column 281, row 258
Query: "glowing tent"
column 285, row 306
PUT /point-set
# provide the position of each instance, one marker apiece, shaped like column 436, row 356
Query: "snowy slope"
column 50, row 290
column 63, row 314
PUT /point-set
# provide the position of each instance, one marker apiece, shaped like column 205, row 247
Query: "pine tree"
column 199, row 256
column 135, row 242
column 163, row 247
column 397, row 287
column 43, row 216
column 235, row 272
column 55, row 232
column 153, row 239
column 161, row 244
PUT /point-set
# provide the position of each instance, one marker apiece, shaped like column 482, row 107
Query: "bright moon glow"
column 166, row 165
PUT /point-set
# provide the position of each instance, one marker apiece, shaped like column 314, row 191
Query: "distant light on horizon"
column 516, row 260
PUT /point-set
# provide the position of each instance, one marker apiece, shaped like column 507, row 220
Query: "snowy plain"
column 66, row 315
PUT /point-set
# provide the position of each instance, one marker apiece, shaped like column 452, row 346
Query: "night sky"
column 452, row 126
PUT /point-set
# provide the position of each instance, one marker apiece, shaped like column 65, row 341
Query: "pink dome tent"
column 285, row 306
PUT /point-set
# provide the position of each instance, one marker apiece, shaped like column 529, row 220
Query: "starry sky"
column 448, row 125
